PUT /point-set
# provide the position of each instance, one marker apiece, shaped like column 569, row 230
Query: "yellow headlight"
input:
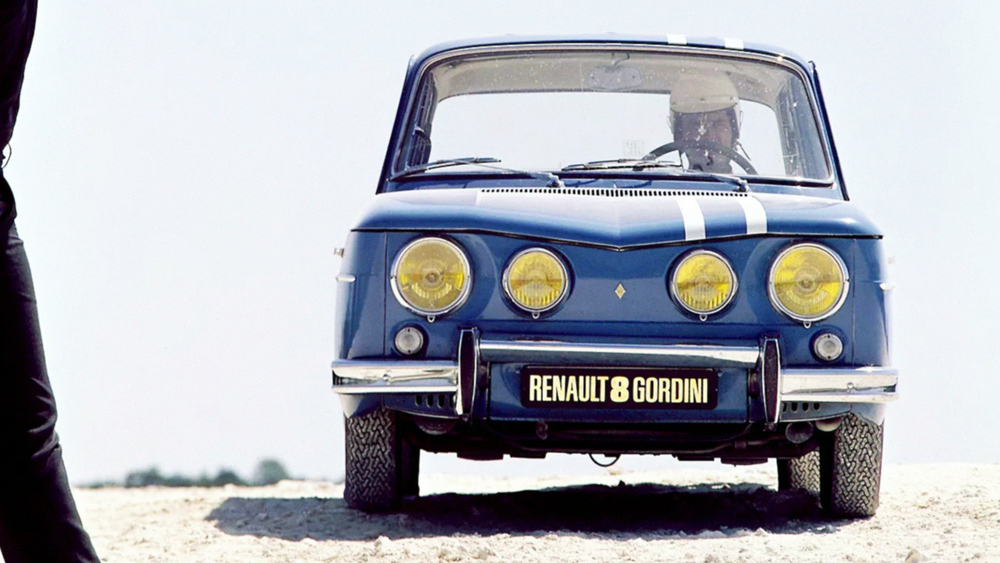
column 808, row 282
column 704, row 282
column 431, row 276
column 536, row 280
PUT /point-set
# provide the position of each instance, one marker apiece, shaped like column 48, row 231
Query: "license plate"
column 636, row 388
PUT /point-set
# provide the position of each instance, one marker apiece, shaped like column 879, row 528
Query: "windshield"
column 598, row 108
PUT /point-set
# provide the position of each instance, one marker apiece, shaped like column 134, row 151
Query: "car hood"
column 613, row 217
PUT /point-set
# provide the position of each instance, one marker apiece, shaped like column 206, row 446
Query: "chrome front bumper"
column 812, row 385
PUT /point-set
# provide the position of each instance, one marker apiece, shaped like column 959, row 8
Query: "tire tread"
column 370, row 478
column 853, row 473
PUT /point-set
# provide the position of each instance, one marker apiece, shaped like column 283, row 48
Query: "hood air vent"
column 614, row 192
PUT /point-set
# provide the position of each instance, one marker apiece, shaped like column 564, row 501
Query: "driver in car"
column 705, row 119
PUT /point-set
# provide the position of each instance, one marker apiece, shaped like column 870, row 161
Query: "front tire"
column 382, row 466
column 851, row 468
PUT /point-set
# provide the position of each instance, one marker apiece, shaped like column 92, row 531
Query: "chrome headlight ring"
column 824, row 252
column 408, row 291
column 715, row 259
column 554, row 262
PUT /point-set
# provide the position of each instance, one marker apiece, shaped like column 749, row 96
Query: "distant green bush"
column 268, row 472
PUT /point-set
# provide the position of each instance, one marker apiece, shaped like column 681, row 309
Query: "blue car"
column 614, row 245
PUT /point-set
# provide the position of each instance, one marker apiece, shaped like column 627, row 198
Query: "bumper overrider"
column 463, row 377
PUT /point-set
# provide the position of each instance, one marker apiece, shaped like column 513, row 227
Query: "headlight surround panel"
column 703, row 282
column 536, row 280
column 431, row 276
column 808, row 282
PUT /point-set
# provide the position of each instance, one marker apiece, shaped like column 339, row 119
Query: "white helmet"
column 700, row 92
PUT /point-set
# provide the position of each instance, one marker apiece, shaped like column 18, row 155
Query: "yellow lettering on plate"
column 571, row 392
column 619, row 389
column 696, row 391
column 584, row 389
column 559, row 388
column 535, row 388
column 602, row 386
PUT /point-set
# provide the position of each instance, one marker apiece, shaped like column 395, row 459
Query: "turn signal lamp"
column 808, row 282
column 536, row 280
column 431, row 276
column 827, row 347
column 703, row 283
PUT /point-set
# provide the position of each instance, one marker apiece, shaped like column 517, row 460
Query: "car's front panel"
column 617, row 320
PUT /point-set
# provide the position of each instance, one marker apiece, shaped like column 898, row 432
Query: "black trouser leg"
column 39, row 522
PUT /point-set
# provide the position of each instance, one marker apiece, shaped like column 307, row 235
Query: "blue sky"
column 184, row 171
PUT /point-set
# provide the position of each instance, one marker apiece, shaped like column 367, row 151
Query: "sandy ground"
column 945, row 513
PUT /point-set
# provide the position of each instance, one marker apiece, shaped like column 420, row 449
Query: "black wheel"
column 851, row 468
column 731, row 154
column 381, row 465
column 801, row 473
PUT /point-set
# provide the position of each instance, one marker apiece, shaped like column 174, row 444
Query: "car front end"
column 615, row 306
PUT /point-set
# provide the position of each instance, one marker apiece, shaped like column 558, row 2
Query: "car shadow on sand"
column 639, row 510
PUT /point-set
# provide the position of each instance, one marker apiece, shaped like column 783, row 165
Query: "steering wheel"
column 681, row 146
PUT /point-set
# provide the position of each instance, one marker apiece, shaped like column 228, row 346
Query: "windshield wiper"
column 675, row 169
column 443, row 163
column 550, row 179
column 633, row 163
column 741, row 184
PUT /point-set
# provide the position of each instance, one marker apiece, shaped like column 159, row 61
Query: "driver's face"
column 712, row 126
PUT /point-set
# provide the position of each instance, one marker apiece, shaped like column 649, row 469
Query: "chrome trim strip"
column 694, row 219
column 756, row 215
column 381, row 387
column 857, row 397
column 346, row 278
column 360, row 377
column 840, row 385
column 390, row 372
column 568, row 353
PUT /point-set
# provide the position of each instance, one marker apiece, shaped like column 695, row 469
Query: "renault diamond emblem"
column 620, row 291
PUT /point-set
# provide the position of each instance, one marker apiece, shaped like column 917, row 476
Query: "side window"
column 803, row 154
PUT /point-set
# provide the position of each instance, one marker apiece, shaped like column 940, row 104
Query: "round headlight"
column 808, row 282
column 431, row 276
column 703, row 282
column 536, row 280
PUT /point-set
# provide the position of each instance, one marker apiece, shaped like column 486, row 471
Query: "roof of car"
column 610, row 39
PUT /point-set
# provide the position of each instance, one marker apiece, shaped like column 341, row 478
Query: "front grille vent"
column 435, row 401
column 796, row 407
column 614, row 192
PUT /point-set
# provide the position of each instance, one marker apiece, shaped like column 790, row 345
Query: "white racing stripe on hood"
column 694, row 217
column 694, row 220
column 756, row 215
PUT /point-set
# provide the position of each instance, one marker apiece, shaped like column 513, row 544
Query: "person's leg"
column 38, row 518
